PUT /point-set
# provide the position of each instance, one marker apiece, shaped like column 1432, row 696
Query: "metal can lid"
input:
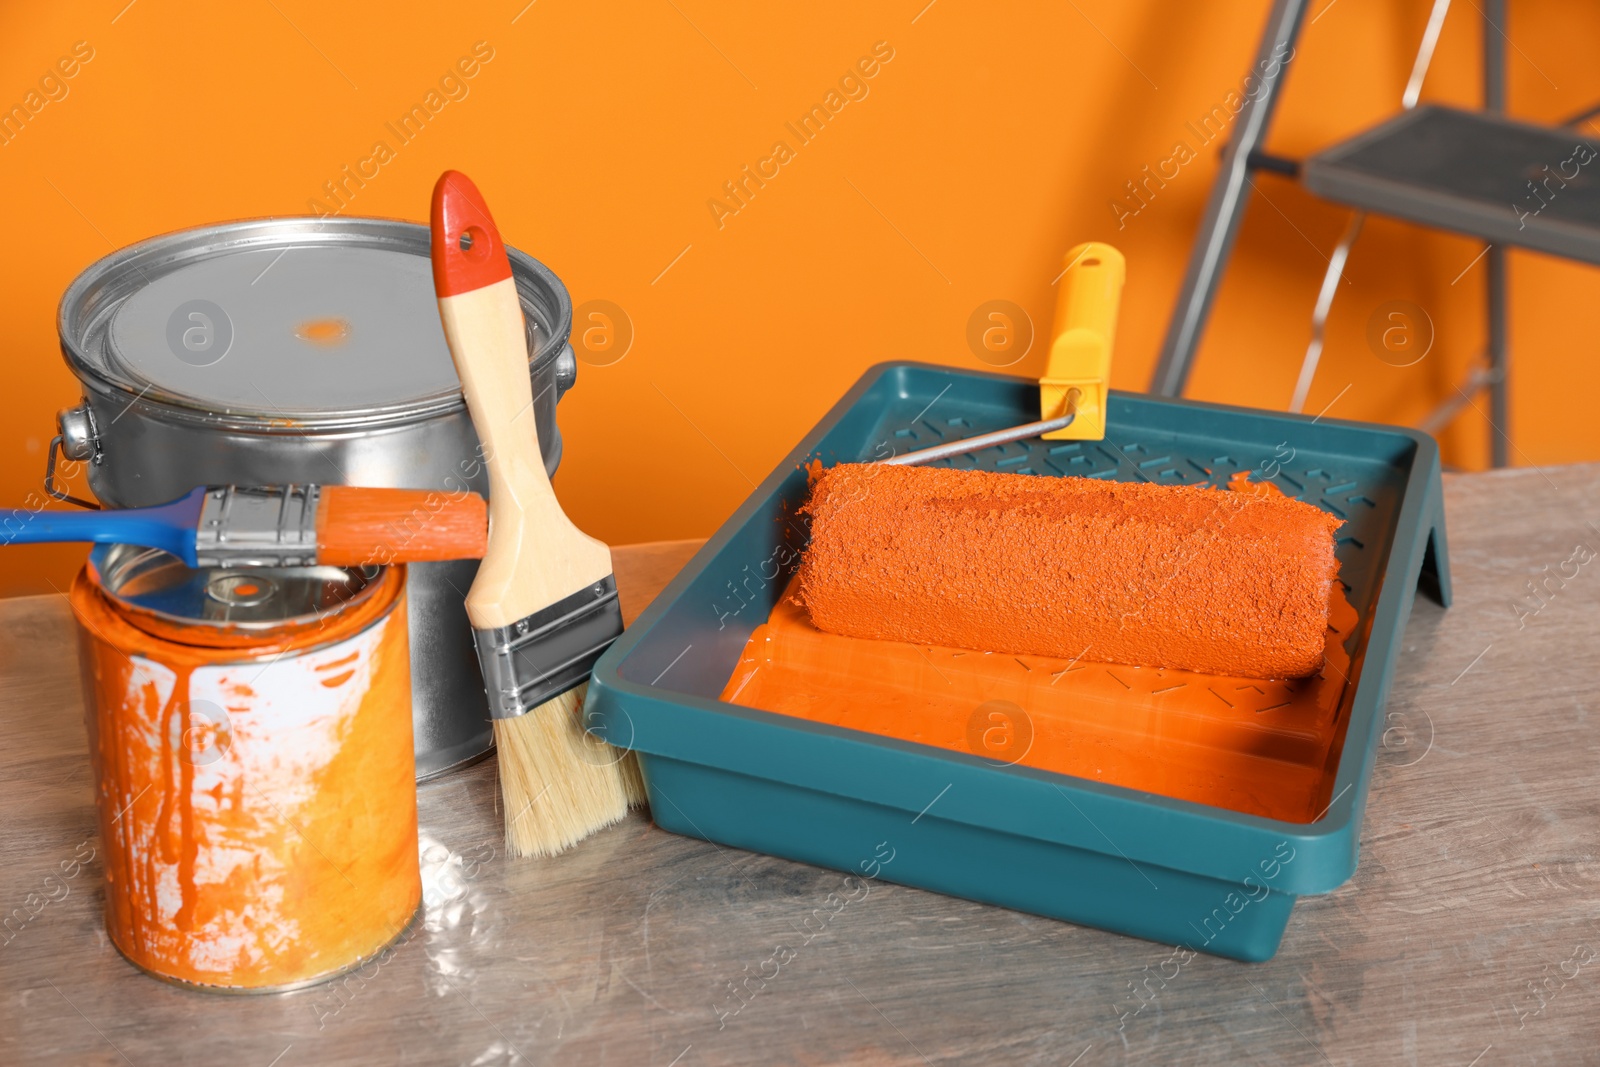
column 285, row 323
column 159, row 594
column 297, row 330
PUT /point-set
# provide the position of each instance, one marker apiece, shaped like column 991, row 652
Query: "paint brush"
column 544, row 604
column 277, row 526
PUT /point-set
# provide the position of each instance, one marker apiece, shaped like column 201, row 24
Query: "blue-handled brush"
column 277, row 526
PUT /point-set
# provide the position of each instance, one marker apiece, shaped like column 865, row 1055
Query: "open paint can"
column 297, row 350
column 251, row 738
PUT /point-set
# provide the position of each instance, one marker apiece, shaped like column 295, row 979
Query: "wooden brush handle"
column 536, row 556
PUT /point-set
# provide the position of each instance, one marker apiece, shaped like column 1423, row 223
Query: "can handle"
column 50, row 479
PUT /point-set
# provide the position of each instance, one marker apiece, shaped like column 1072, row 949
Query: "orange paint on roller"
column 1257, row 746
column 1234, row 584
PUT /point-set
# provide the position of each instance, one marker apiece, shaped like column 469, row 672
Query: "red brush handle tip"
column 467, row 251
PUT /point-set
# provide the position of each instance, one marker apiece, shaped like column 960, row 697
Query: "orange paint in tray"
column 251, row 736
column 1256, row 746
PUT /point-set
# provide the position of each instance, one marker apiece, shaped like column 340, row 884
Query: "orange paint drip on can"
column 251, row 738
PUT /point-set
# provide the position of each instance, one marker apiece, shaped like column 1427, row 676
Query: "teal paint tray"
column 1172, row 871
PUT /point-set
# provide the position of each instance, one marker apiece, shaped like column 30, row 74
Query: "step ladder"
column 1478, row 173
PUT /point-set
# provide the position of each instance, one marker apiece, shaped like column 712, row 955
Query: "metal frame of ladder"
column 1243, row 156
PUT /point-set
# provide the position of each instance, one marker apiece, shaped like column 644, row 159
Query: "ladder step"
column 1484, row 175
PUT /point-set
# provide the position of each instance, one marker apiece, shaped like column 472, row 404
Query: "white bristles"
column 560, row 784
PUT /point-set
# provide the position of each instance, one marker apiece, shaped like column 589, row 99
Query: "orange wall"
column 996, row 137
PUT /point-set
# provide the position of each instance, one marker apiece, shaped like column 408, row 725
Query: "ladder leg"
column 1319, row 314
column 1494, row 100
column 1225, row 208
column 1498, row 381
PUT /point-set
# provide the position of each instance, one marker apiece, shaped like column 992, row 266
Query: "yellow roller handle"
column 1080, row 350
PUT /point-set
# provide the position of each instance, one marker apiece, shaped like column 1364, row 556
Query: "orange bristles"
column 357, row 526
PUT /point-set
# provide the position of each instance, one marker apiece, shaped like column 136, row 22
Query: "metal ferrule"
column 549, row 652
column 261, row 527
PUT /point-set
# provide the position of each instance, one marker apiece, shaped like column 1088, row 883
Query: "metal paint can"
column 302, row 350
column 250, row 734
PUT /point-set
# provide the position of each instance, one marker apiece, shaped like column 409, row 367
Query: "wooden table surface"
column 1469, row 936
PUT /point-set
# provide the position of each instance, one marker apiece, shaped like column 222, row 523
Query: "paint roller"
column 1078, row 568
